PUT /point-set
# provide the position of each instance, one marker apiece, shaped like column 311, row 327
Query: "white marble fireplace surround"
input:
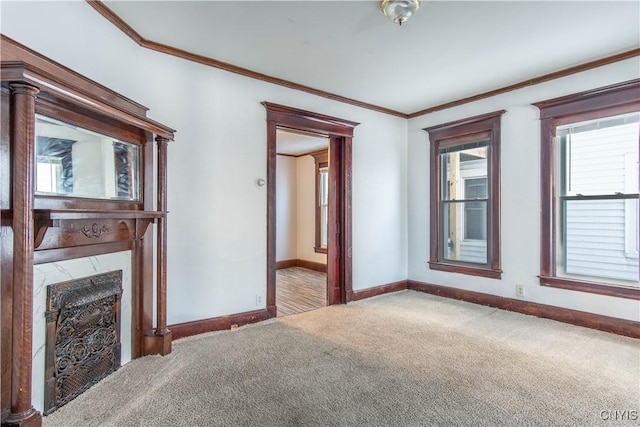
column 62, row 271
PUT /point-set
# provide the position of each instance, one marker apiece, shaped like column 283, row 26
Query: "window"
column 323, row 205
column 54, row 163
column 322, row 200
column 475, row 213
column 590, row 191
column 48, row 173
column 465, row 196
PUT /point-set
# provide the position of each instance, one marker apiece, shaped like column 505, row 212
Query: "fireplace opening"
column 83, row 336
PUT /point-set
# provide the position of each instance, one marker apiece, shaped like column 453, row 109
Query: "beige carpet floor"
column 403, row 359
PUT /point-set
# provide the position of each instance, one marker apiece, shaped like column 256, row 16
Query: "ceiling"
column 447, row 51
column 296, row 144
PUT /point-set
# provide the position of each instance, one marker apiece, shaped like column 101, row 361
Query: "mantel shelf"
column 75, row 214
column 78, row 227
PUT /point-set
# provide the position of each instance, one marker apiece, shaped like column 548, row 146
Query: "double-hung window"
column 322, row 200
column 465, row 196
column 590, row 191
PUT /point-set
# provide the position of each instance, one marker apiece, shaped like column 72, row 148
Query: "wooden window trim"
column 610, row 100
column 322, row 161
column 453, row 133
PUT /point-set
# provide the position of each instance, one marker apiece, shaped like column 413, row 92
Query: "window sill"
column 465, row 269
column 591, row 287
column 320, row 250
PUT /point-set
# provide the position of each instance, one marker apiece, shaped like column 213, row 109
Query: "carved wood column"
column 161, row 290
column 23, row 146
column 334, row 268
column 347, row 240
column 271, row 219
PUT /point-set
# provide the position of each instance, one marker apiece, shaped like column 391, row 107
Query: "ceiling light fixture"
column 399, row 11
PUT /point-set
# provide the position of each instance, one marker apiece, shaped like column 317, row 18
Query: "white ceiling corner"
column 447, row 51
column 295, row 144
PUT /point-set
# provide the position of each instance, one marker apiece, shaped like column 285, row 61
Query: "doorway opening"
column 302, row 205
column 339, row 134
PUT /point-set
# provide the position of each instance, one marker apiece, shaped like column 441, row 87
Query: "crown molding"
column 531, row 82
column 108, row 14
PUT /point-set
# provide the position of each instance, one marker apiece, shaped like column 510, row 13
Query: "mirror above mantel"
column 77, row 162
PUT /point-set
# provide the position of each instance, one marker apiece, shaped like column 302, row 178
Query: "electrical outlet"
column 258, row 300
column 520, row 291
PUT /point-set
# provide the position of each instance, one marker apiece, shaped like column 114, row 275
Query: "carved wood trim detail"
column 95, row 230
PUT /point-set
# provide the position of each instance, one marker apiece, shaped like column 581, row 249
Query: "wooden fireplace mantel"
column 68, row 231
column 37, row 228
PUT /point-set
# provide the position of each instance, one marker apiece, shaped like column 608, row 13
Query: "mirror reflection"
column 77, row 162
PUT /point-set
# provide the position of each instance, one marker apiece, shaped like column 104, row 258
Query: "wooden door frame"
column 340, row 135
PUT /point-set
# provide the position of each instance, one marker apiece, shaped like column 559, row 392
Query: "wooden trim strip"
column 590, row 287
column 614, row 325
column 110, row 16
column 187, row 329
column 623, row 94
column 288, row 119
column 287, row 263
column 379, row 290
column 18, row 56
column 310, row 265
column 295, row 156
column 467, row 126
column 531, row 82
column 465, row 269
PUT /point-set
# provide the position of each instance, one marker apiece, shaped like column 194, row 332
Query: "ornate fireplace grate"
column 83, row 336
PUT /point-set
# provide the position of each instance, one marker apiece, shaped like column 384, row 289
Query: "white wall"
column 295, row 209
column 307, row 211
column 286, row 208
column 217, row 219
column 520, row 203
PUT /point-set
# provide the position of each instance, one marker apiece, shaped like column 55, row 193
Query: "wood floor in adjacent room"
column 299, row 289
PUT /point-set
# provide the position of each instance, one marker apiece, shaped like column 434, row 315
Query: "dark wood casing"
column 482, row 126
column 620, row 98
column 37, row 229
column 340, row 134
